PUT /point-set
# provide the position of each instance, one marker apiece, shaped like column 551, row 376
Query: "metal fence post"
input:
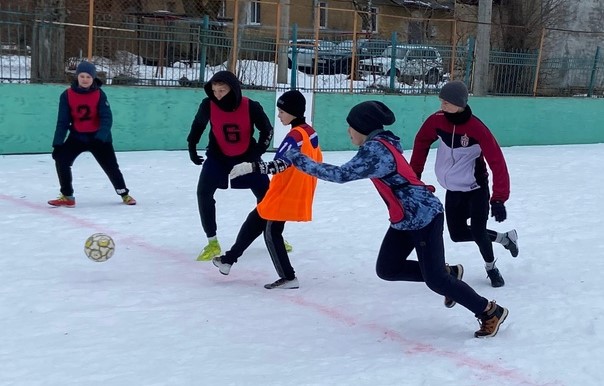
column 90, row 28
column 203, row 53
column 393, row 60
column 469, row 61
column 538, row 67
column 594, row 69
column 294, row 70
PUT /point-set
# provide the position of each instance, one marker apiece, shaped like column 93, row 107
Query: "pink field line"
column 487, row 370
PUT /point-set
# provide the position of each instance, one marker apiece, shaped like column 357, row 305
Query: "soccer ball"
column 99, row 247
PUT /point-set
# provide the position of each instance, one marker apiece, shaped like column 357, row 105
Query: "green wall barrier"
column 159, row 118
column 515, row 121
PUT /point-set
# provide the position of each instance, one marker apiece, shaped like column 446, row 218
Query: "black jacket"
column 230, row 102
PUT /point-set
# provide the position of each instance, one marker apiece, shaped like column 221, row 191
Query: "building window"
column 322, row 15
column 371, row 19
column 254, row 12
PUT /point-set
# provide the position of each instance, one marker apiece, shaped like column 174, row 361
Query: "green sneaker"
column 288, row 246
column 128, row 200
column 210, row 251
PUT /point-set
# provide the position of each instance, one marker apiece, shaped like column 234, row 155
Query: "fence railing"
column 170, row 50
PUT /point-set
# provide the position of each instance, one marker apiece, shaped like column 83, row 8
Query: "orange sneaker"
column 491, row 320
column 66, row 201
column 128, row 200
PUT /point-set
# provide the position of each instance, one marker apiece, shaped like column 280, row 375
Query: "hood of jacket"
column 232, row 100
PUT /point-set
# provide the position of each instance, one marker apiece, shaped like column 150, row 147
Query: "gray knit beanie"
column 455, row 92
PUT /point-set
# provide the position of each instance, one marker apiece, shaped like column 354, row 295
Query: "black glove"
column 498, row 211
column 195, row 158
column 257, row 151
column 55, row 151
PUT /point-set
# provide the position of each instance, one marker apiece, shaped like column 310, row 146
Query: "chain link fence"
column 324, row 49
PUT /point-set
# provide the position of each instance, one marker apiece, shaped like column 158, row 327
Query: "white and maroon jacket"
column 460, row 158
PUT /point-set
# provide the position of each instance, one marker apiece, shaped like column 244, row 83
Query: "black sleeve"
column 199, row 122
column 263, row 124
column 271, row 167
column 63, row 121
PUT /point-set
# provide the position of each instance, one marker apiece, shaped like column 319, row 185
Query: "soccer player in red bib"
column 86, row 119
column 415, row 213
column 232, row 118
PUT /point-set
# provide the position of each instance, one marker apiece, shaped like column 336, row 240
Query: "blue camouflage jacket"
column 374, row 160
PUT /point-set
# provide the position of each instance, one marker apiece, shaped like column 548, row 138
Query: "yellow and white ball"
column 99, row 247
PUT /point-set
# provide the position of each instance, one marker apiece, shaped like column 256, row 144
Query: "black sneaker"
column 496, row 278
column 284, row 284
column 456, row 271
column 491, row 320
column 512, row 242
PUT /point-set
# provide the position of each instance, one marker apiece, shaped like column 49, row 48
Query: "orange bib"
column 291, row 193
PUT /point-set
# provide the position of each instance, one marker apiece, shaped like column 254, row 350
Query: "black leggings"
column 104, row 154
column 474, row 206
column 253, row 226
column 214, row 175
column 392, row 264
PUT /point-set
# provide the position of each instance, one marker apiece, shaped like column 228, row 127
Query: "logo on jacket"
column 465, row 140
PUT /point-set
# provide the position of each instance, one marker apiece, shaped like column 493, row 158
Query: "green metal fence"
column 156, row 50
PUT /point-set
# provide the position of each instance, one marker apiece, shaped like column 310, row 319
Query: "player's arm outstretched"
column 279, row 164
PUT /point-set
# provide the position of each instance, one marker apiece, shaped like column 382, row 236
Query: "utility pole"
column 483, row 47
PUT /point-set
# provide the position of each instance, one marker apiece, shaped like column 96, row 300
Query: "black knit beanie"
column 455, row 92
column 86, row 67
column 292, row 102
column 370, row 116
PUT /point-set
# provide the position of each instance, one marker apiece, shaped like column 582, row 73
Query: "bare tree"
column 521, row 27
column 196, row 8
column 522, row 21
column 363, row 8
column 238, row 33
column 48, row 45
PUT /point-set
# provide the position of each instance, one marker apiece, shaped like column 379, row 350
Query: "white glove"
column 241, row 169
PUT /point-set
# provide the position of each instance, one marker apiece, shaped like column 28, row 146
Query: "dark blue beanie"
column 86, row 67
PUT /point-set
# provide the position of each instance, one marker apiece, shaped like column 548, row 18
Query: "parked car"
column 411, row 62
column 327, row 53
column 365, row 49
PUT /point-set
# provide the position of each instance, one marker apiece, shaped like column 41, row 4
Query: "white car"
column 411, row 62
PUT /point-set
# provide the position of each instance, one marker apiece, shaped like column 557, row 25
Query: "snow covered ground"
column 152, row 315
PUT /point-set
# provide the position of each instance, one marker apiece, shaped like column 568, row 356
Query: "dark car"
column 365, row 49
column 325, row 52
column 334, row 58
